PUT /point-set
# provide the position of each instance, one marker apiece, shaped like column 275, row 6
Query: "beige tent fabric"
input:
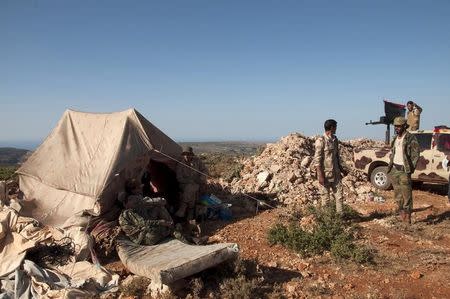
column 13, row 246
column 85, row 160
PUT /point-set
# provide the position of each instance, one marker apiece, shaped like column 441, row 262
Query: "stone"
column 275, row 168
column 263, row 177
column 416, row 275
column 305, row 162
column 292, row 177
column 284, row 168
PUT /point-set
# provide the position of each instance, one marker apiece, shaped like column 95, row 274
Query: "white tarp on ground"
column 173, row 260
column 20, row 278
column 16, row 236
column 79, row 280
column 85, row 161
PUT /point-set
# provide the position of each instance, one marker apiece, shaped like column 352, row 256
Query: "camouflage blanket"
column 146, row 230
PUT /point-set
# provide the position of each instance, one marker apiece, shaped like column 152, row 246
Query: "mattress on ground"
column 173, row 260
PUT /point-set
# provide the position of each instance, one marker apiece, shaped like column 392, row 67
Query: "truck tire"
column 380, row 179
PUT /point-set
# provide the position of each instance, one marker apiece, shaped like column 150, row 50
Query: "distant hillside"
column 225, row 147
column 10, row 156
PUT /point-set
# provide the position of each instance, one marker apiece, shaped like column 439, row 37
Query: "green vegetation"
column 331, row 232
column 7, row 172
column 238, row 279
column 222, row 165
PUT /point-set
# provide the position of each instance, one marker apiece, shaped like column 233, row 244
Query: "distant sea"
column 32, row 145
column 28, row 145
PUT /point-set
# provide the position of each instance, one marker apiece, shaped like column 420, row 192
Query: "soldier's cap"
column 187, row 150
column 400, row 121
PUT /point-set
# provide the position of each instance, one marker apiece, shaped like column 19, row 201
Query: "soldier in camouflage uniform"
column 413, row 116
column 329, row 166
column 145, row 222
column 405, row 152
column 192, row 182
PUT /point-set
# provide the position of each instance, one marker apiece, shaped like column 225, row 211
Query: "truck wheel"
column 380, row 179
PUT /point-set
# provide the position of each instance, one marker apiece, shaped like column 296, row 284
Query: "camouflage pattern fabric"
column 189, row 194
column 401, row 181
column 146, row 227
column 328, row 158
column 191, row 182
column 332, row 189
column 411, row 153
column 186, row 175
column 448, row 195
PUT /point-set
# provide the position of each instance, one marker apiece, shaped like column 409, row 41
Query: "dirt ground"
column 411, row 261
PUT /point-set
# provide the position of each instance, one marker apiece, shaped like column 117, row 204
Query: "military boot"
column 402, row 215
column 408, row 217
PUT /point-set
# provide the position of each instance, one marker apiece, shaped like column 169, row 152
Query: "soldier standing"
column 403, row 160
column 191, row 180
column 329, row 166
column 413, row 116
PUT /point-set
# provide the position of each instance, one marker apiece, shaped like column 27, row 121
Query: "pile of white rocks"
column 284, row 169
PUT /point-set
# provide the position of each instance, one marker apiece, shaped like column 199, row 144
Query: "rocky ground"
column 285, row 170
column 409, row 261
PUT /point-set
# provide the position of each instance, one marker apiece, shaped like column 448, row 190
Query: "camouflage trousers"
column 448, row 196
column 332, row 189
column 401, row 181
column 189, row 194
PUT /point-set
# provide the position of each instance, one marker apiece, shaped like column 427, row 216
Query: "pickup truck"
column 434, row 146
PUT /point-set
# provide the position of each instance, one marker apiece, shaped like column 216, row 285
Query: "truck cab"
column 434, row 147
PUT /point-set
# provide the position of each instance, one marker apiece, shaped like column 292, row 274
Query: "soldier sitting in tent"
column 145, row 222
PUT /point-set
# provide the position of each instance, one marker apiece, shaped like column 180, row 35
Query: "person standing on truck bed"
column 329, row 166
column 413, row 116
column 405, row 153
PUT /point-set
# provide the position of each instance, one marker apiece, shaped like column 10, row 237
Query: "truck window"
column 444, row 143
column 424, row 141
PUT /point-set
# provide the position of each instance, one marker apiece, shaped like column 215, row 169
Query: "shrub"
column 331, row 233
column 239, row 287
column 7, row 172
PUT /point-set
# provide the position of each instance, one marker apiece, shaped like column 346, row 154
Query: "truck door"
column 426, row 153
column 441, row 149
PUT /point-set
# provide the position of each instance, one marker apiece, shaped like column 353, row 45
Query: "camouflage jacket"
column 186, row 175
column 411, row 152
column 413, row 118
column 327, row 157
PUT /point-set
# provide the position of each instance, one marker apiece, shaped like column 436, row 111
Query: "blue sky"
column 222, row 70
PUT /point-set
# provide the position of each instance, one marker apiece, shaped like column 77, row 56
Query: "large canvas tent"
column 84, row 162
